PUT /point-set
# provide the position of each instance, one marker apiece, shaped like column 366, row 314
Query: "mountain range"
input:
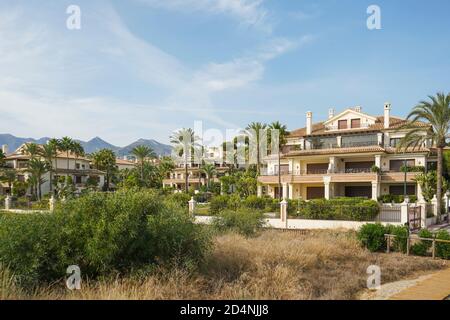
column 92, row 145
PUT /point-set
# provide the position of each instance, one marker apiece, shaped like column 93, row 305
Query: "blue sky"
column 143, row 68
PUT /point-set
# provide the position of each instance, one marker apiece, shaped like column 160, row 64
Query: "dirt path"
column 435, row 286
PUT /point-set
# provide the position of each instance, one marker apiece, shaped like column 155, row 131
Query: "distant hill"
column 90, row 146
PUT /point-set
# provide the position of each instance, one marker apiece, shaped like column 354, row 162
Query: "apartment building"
column 78, row 168
column 351, row 154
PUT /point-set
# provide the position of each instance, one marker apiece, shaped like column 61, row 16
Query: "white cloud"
column 246, row 12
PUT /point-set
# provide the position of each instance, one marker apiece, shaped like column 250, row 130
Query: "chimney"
column 308, row 122
column 387, row 113
column 5, row 149
column 358, row 108
column 330, row 113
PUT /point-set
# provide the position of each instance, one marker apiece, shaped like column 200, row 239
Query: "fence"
column 410, row 239
column 390, row 213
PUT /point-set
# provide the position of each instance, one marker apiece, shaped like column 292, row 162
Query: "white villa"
column 351, row 154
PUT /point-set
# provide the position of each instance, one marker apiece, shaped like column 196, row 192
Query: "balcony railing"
column 359, row 144
column 316, row 172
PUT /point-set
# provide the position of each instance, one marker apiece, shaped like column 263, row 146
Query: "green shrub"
column 443, row 249
column 353, row 209
column 219, row 204
column 181, row 199
column 102, row 234
column 390, row 198
column 245, row 222
column 371, row 236
column 399, row 243
column 254, row 202
column 421, row 248
column 272, row 205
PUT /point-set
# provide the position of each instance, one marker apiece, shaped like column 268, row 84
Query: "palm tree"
column 253, row 131
column 66, row 145
column 8, row 176
column 437, row 114
column 142, row 152
column 32, row 149
column 2, row 158
column 77, row 150
column 105, row 160
column 49, row 152
column 37, row 168
column 282, row 134
column 210, row 170
column 184, row 141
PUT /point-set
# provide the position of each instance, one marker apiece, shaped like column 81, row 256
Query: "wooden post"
column 407, row 245
column 388, row 244
column 433, row 248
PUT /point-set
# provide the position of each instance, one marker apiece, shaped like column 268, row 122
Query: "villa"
column 351, row 154
column 80, row 169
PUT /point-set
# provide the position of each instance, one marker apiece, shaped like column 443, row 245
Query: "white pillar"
column 375, row 190
column 326, row 182
column 404, row 211
column 378, row 161
column 434, row 205
column 419, row 193
column 423, row 212
column 51, row 203
column 285, row 191
column 291, row 191
column 8, row 202
column 192, row 204
column 259, row 190
column 332, row 165
column 446, row 199
column 283, row 213
column 339, row 141
column 380, row 138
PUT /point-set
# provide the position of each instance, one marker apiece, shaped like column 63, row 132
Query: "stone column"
column 285, row 191
column 291, row 191
column 259, row 190
column 380, row 138
column 8, row 202
column 404, row 211
column 283, row 212
column 446, row 199
column 375, row 190
column 332, row 165
column 434, row 205
column 192, row 204
column 51, row 203
column 378, row 161
column 423, row 212
column 326, row 182
column 419, row 193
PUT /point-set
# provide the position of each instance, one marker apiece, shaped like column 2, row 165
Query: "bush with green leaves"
column 443, row 249
column 371, row 236
column 390, row 198
column 219, row 204
column 352, row 209
column 255, row 202
column 422, row 247
column 102, row 234
column 399, row 242
column 246, row 222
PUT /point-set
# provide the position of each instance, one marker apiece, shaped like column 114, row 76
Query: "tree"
column 282, row 134
column 184, row 141
column 37, row 168
column 2, row 158
column 105, row 160
column 32, row 149
column 436, row 113
column 428, row 183
column 210, row 170
column 66, row 145
column 142, row 153
column 8, row 176
column 254, row 132
column 49, row 152
column 77, row 150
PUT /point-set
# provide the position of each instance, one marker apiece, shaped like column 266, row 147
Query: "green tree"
column 436, row 113
column 32, row 149
column 77, row 150
column 282, row 135
column 105, row 160
column 209, row 170
column 9, row 176
column 66, row 144
column 142, row 153
column 49, row 151
column 254, row 130
column 2, row 158
column 184, row 141
column 37, row 168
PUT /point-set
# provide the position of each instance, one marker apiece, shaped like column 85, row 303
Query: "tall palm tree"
column 184, row 141
column 282, row 134
column 32, row 149
column 37, row 168
column 66, row 145
column 2, row 158
column 254, row 132
column 210, row 170
column 8, row 176
column 49, row 152
column 77, row 150
column 436, row 113
column 142, row 152
column 105, row 160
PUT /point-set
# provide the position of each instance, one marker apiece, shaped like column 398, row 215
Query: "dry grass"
column 275, row 265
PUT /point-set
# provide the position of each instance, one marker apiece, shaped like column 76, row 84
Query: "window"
column 78, row 179
column 396, row 165
column 395, row 142
column 359, row 140
column 342, row 124
column 77, row 166
column 400, row 189
column 358, row 191
column 315, row 193
column 356, row 123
